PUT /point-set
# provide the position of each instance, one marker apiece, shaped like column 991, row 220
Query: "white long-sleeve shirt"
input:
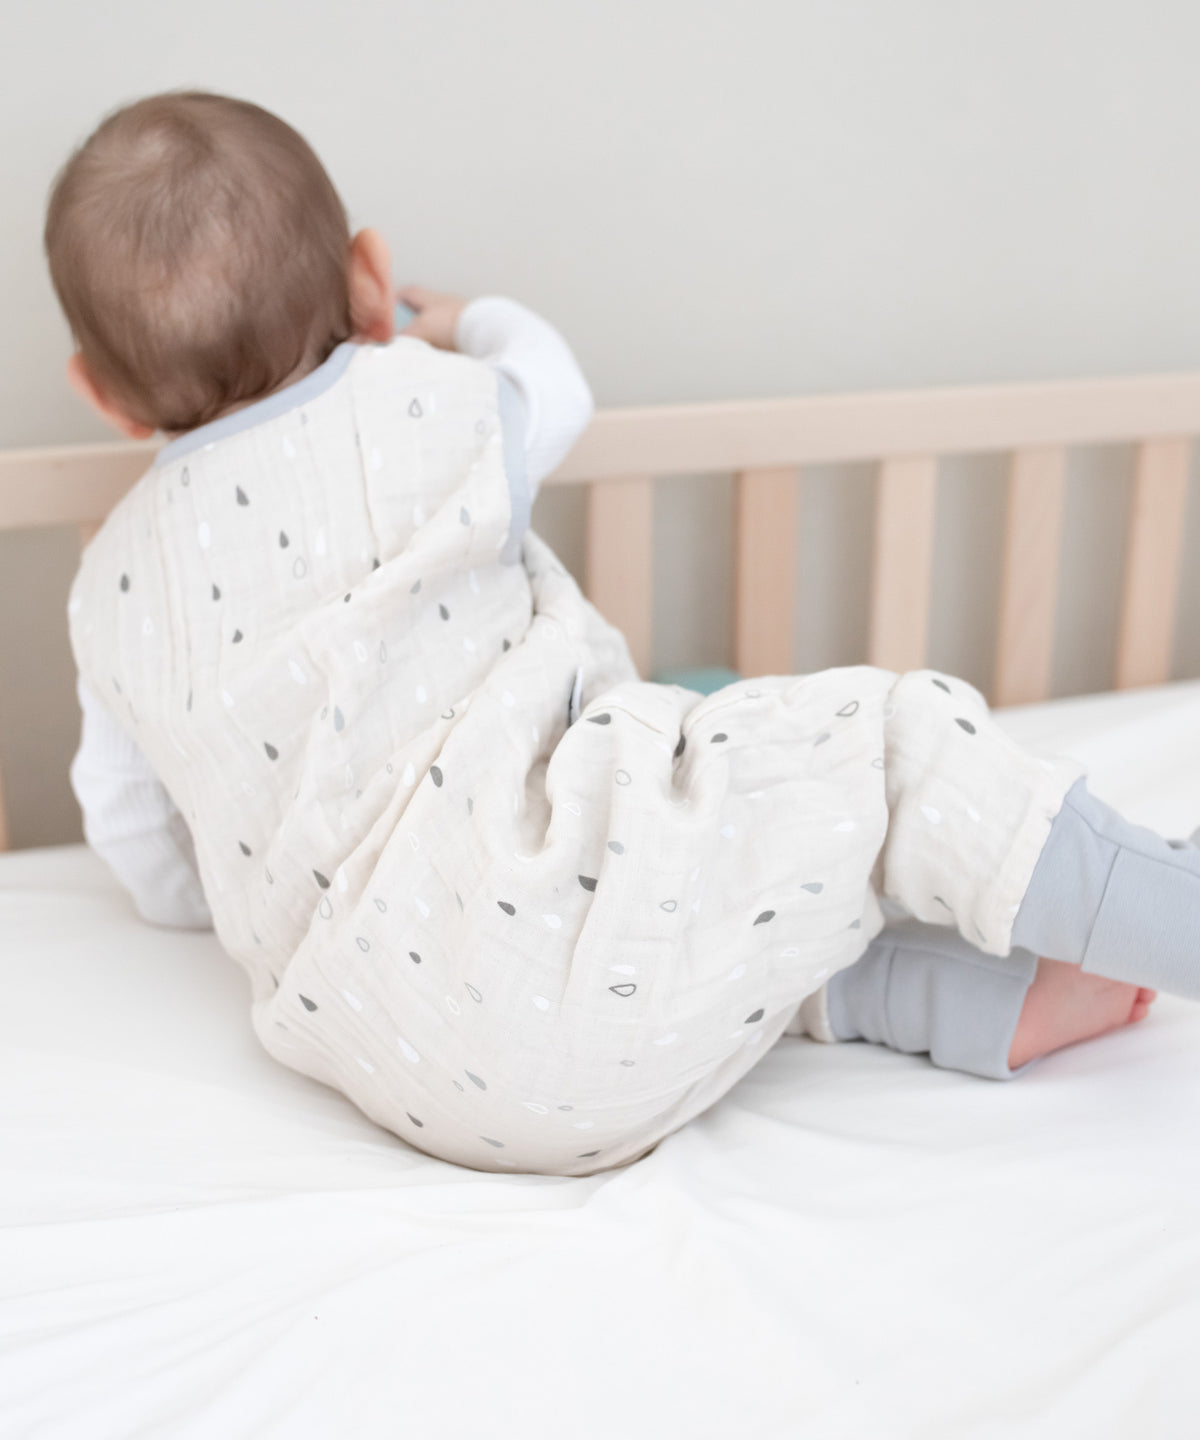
column 128, row 817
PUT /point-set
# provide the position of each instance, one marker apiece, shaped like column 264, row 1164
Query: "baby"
column 524, row 909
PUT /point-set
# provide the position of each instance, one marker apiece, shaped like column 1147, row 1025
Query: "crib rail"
column 766, row 444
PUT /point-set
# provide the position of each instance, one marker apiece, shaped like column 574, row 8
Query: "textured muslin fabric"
column 525, row 910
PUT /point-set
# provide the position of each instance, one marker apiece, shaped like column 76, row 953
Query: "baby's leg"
column 923, row 989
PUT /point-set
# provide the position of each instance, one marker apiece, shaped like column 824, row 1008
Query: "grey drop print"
column 443, row 612
column 965, row 725
column 216, row 592
column 587, row 1154
column 124, row 582
column 415, row 588
column 435, row 774
column 588, row 881
column 321, row 880
column 814, row 887
column 272, row 753
column 238, row 637
column 475, row 1080
column 757, row 1015
column 474, row 994
column 307, row 1003
column 243, row 847
column 381, row 905
column 602, row 719
column 339, row 720
column 499, row 1144
column 464, row 516
column 821, row 738
column 616, row 847
column 284, row 542
column 242, row 497
column 508, row 908
column 414, row 957
column 186, row 477
column 766, row 916
column 941, row 684
column 718, row 738
column 626, row 989
column 670, row 906
column 415, row 410
column 363, row 943
column 847, row 710
column 420, row 1124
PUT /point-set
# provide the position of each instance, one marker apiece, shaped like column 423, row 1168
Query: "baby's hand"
column 437, row 315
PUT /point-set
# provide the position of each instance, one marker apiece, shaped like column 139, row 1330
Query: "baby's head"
column 203, row 259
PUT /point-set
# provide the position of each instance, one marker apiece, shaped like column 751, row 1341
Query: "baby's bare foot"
column 1065, row 1005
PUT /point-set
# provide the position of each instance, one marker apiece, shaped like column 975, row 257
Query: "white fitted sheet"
column 195, row 1242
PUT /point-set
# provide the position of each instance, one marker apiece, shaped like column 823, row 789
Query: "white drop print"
column 623, row 969
column 413, row 842
column 755, row 794
column 468, row 645
column 288, row 448
column 933, row 815
column 376, row 458
column 319, row 542
column 553, row 921
column 342, row 883
column 453, row 1006
column 360, row 652
column 325, row 908
column 410, row 775
column 535, row 1107
column 728, row 831
column 737, row 1035
column 473, row 581
column 541, row 1002
column 366, row 1065
column 349, row 778
column 582, row 1124
column 418, row 514
column 228, row 699
column 790, row 953
column 668, row 1039
column 298, row 673
column 422, row 694
column 407, row 1051
column 571, row 807
column 352, row 1000
column 421, row 906
column 754, row 1037
column 248, row 789
column 147, row 626
column 974, row 814
column 537, row 736
column 821, row 974
column 695, row 875
column 508, row 699
column 843, row 827
column 736, row 973
column 300, row 567
column 204, row 535
column 622, row 777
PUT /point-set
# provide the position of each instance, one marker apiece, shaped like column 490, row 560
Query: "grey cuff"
column 1116, row 899
column 924, row 989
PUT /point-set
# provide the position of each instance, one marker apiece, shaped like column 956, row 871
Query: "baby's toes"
column 1141, row 1005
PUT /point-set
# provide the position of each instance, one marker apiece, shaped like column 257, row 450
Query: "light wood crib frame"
column 766, row 444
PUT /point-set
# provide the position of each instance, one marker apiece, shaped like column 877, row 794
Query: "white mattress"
column 198, row 1243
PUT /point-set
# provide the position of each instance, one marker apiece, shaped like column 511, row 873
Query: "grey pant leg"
column 924, row 989
column 1114, row 898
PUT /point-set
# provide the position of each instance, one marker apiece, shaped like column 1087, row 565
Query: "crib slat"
column 764, row 640
column 1029, row 588
column 620, row 519
column 1147, row 628
column 3, row 820
column 903, row 564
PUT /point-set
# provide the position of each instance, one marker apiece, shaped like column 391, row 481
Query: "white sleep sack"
column 525, row 910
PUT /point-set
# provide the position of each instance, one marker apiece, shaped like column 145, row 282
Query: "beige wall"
column 712, row 200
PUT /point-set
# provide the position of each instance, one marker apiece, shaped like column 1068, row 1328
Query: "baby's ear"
column 83, row 383
column 372, row 301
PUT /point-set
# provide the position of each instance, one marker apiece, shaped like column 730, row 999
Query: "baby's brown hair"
column 199, row 252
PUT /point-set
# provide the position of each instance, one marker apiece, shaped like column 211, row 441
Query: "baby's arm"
column 529, row 352
column 132, row 823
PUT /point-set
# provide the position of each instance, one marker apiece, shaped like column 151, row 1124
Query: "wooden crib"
column 766, row 444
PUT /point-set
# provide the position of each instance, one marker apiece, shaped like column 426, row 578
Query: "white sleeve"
column 537, row 360
column 132, row 823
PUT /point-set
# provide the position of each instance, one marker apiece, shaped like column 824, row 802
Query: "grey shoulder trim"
column 512, row 429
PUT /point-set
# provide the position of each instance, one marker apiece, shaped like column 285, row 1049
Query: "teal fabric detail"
column 705, row 679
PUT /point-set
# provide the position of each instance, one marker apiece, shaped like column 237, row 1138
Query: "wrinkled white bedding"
column 197, row 1242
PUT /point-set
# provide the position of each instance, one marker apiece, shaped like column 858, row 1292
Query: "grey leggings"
column 1106, row 895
